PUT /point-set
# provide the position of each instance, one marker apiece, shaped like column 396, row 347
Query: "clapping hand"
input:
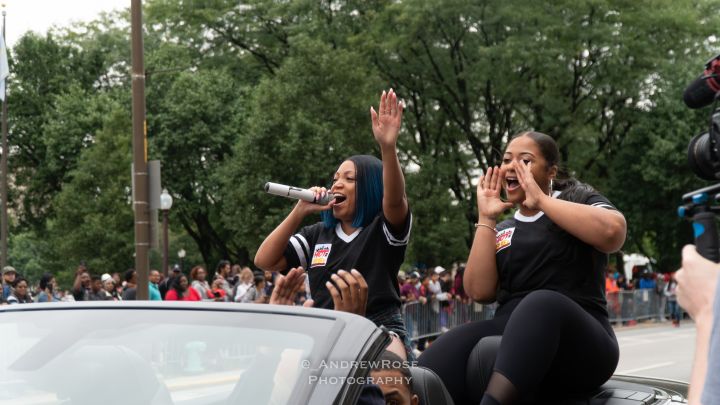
column 288, row 286
column 350, row 291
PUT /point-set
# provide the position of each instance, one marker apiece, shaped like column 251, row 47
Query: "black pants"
column 548, row 341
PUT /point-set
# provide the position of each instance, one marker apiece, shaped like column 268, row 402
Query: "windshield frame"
column 268, row 317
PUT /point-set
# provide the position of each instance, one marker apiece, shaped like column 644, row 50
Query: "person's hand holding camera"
column 697, row 280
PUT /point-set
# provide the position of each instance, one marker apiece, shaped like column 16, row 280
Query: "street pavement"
column 657, row 350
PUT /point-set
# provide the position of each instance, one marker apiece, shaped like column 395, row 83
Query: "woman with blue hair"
column 365, row 227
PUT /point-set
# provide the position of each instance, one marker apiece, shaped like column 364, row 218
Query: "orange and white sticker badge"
column 321, row 254
column 503, row 239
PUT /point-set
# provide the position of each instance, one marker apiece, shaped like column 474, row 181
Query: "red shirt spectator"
column 180, row 291
column 190, row 295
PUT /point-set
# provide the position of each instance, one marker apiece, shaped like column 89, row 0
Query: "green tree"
column 475, row 73
column 438, row 229
column 304, row 121
column 49, row 123
column 94, row 220
column 195, row 128
column 249, row 40
column 238, row 95
column 42, row 69
column 649, row 175
column 28, row 254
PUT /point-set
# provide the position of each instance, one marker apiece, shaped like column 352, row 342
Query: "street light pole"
column 4, row 169
column 181, row 255
column 166, row 201
column 140, row 172
column 165, row 242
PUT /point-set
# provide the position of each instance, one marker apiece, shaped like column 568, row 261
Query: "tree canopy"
column 241, row 94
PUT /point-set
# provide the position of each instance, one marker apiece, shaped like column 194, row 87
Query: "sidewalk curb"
column 646, row 325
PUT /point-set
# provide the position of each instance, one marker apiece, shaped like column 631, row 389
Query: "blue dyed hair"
column 368, row 192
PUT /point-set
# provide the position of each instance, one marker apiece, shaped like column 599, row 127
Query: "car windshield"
column 134, row 356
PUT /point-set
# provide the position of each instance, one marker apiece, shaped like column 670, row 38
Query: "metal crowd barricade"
column 636, row 305
column 433, row 318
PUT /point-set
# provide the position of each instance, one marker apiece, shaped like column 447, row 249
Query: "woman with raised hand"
column 545, row 266
column 365, row 227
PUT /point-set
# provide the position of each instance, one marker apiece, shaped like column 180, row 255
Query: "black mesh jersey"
column 533, row 253
column 375, row 251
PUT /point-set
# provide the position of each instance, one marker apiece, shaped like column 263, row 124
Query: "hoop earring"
column 550, row 192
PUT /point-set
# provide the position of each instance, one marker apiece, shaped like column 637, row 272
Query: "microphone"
column 297, row 193
column 702, row 91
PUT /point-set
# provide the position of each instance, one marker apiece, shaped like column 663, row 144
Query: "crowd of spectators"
column 661, row 287
column 437, row 285
column 438, row 288
column 227, row 283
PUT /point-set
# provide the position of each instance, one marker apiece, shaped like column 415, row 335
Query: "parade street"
column 657, row 350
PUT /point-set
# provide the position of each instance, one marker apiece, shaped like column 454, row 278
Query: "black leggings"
column 548, row 341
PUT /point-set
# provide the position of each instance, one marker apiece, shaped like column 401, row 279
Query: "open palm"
column 490, row 205
column 386, row 122
column 533, row 192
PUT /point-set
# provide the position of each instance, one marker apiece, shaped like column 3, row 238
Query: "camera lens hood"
column 700, row 157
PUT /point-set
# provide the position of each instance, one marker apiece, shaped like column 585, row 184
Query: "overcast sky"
column 39, row 15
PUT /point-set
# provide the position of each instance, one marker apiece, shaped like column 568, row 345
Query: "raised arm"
column 269, row 255
column 696, row 292
column 599, row 227
column 481, row 277
column 386, row 127
column 77, row 284
column 602, row 228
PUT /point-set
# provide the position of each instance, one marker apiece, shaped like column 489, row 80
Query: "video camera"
column 703, row 155
column 704, row 160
